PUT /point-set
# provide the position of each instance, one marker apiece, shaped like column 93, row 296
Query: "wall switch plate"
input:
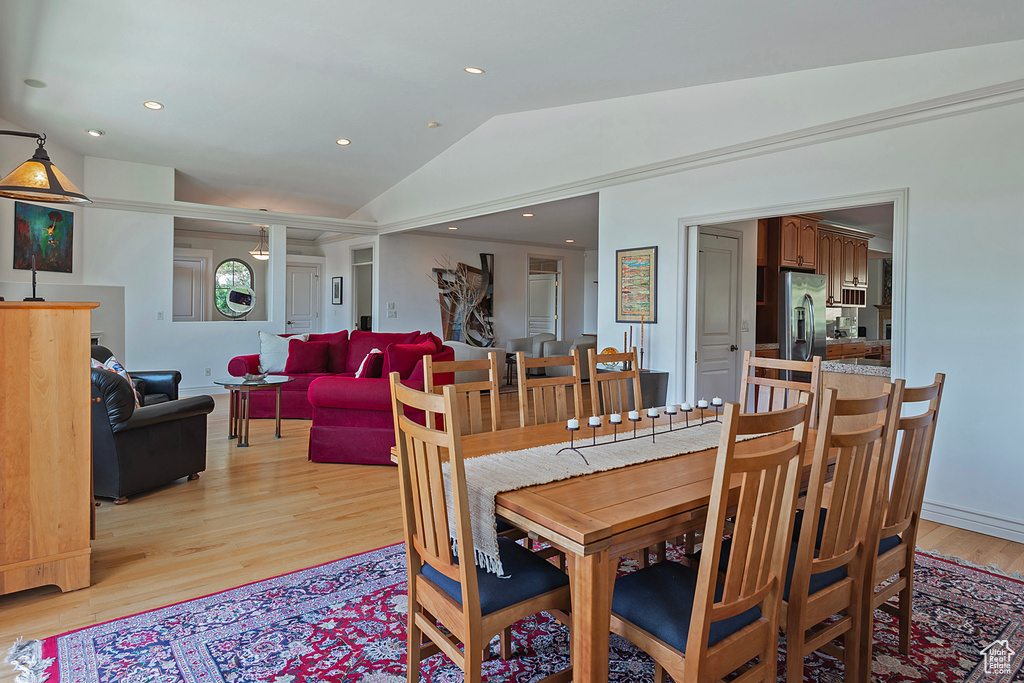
column 159, row 315
column 392, row 314
column 391, row 305
column 207, row 372
column 745, row 326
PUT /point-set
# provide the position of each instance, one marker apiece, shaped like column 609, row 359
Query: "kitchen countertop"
column 855, row 340
column 766, row 347
column 857, row 366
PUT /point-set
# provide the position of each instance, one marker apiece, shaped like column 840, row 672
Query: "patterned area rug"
column 345, row 621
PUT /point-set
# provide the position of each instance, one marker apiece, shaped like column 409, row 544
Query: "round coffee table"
column 238, row 419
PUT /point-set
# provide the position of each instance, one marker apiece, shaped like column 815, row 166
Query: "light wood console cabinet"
column 45, row 445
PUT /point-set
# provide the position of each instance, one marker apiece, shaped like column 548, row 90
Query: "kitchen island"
column 854, row 378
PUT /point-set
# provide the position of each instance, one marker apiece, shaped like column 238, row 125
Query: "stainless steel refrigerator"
column 801, row 319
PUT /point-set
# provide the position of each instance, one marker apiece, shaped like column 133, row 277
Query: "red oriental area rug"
column 345, row 621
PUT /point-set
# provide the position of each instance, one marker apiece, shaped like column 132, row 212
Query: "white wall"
column 406, row 260
column 339, row 264
column 590, row 284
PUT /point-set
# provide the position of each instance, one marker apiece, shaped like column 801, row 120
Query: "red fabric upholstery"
column 338, row 353
column 361, row 343
column 241, row 365
column 352, row 420
column 403, row 358
column 306, row 356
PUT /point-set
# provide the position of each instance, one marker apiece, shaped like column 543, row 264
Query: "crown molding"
column 1002, row 94
column 546, row 245
column 230, row 214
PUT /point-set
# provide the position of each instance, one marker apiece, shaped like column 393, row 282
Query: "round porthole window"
column 233, row 293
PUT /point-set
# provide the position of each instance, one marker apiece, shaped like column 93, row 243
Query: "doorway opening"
column 302, row 297
column 544, row 296
column 362, row 289
column 718, row 307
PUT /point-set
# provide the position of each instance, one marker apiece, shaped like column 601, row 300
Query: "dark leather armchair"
column 152, row 386
column 136, row 449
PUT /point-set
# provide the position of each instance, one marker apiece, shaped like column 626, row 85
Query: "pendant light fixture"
column 262, row 250
column 38, row 179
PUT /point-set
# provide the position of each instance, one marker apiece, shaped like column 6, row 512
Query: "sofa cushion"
column 300, row 382
column 338, row 352
column 372, row 365
column 306, row 356
column 432, row 338
column 361, row 343
column 402, row 358
column 274, row 350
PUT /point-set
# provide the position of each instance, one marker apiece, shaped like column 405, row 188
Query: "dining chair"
column 766, row 392
column 668, row 606
column 469, row 395
column 829, row 570
column 551, row 400
column 472, row 604
column 902, row 507
column 609, row 391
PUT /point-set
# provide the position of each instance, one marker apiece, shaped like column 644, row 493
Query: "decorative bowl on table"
column 257, row 377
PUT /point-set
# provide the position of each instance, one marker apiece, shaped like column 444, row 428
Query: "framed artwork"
column 336, row 291
column 636, row 287
column 44, row 233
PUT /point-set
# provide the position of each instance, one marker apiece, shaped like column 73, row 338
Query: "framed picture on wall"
column 43, row 238
column 336, row 291
column 636, row 285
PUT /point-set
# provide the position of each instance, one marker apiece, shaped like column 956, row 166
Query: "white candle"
column 716, row 401
column 634, row 415
column 595, row 421
column 615, row 418
column 573, row 424
column 652, row 412
column 671, row 409
column 702, row 403
column 686, row 407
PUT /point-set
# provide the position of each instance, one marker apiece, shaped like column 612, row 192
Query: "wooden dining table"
column 597, row 518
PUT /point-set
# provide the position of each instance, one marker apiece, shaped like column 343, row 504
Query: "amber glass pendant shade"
column 262, row 250
column 39, row 180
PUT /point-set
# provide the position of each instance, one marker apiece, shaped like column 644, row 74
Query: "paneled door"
column 188, row 298
column 717, row 330
column 302, row 298
column 543, row 304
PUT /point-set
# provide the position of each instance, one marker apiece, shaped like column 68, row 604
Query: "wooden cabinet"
column 849, row 266
column 830, row 264
column 860, row 263
column 762, row 242
column 765, row 372
column 843, row 260
column 45, row 445
column 798, row 243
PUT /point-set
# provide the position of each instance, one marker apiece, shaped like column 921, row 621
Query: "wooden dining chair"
column 551, row 400
column 902, row 507
column 609, row 391
column 472, row 604
column 829, row 569
column 469, row 398
column 669, row 606
column 761, row 389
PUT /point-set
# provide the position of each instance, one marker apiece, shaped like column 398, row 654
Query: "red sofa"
column 345, row 353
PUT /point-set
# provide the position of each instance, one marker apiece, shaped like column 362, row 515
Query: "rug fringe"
column 27, row 658
column 967, row 563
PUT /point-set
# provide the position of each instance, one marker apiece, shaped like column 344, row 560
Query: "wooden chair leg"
column 659, row 673
column 853, row 647
column 906, row 609
column 473, row 663
column 193, row 476
column 414, row 637
column 794, row 656
column 506, row 643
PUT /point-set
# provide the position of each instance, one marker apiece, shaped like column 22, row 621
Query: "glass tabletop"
column 269, row 380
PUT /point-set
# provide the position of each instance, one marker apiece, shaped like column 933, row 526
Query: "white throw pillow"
column 274, row 350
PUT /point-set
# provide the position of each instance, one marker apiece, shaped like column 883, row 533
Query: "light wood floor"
column 262, row 511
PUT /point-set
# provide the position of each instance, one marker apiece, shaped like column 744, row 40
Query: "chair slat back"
column 422, row 453
column 469, row 396
column 915, row 436
column 763, row 518
column 760, row 394
column 859, row 461
column 609, row 391
column 554, row 399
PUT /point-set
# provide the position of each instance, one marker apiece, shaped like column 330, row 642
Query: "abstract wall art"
column 44, row 233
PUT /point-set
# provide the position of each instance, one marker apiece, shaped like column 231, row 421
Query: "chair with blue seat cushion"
column 902, row 507
column 829, row 570
column 471, row 604
column 696, row 626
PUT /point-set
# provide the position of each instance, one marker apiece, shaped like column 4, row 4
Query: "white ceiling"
column 257, row 91
column 875, row 219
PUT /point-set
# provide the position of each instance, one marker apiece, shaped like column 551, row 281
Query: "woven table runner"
column 489, row 475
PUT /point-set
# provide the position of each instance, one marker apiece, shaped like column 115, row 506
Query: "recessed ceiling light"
column 152, row 105
column 473, row 70
column 433, row 124
column 527, row 215
column 570, row 241
column 95, row 132
column 34, row 83
column 343, row 141
column 452, row 227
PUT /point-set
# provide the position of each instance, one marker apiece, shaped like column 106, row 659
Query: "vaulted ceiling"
column 256, row 92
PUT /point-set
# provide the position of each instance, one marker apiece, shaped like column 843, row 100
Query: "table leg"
column 243, row 430
column 277, row 408
column 232, row 414
column 592, row 579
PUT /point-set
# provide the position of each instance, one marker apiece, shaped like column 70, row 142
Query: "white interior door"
column 302, row 297
column 542, row 304
column 717, row 330
column 188, row 298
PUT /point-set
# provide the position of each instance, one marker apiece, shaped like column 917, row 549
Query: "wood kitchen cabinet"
column 843, row 260
column 798, row 243
column 762, row 242
column 830, row 264
column 765, row 372
column 860, row 263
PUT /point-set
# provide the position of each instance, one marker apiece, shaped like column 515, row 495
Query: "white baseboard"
column 973, row 520
column 184, row 392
